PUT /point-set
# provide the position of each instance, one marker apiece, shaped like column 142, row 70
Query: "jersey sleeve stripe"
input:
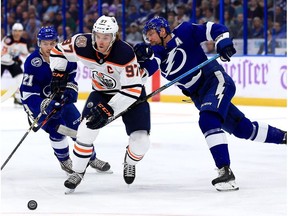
column 134, row 90
column 132, row 86
column 129, row 95
column 54, row 50
column 208, row 31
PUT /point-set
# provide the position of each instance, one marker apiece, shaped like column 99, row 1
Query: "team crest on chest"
column 172, row 64
column 81, row 41
column 104, row 79
column 36, row 62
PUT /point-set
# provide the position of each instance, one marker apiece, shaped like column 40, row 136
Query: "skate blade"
column 69, row 191
column 226, row 186
column 104, row 172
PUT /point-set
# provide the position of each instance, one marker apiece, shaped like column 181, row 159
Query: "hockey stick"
column 36, row 128
column 72, row 133
column 28, row 131
column 167, row 85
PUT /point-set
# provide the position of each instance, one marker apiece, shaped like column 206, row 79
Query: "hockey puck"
column 32, row 204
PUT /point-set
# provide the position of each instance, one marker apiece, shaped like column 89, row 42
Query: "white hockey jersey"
column 11, row 48
column 117, row 73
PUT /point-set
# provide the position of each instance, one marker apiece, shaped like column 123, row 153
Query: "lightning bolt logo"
column 170, row 61
column 220, row 87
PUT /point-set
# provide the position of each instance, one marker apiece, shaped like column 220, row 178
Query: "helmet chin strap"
column 163, row 38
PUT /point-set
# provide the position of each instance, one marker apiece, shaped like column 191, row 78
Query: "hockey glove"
column 17, row 60
column 226, row 49
column 186, row 93
column 59, row 81
column 48, row 105
column 71, row 93
column 99, row 115
column 143, row 52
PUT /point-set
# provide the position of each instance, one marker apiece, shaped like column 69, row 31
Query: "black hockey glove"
column 186, row 93
column 71, row 93
column 143, row 51
column 48, row 105
column 99, row 115
column 59, row 81
column 17, row 60
column 226, row 49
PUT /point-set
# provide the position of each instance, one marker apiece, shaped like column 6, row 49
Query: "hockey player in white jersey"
column 117, row 84
column 12, row 48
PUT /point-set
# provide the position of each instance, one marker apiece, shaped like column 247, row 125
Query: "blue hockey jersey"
column 36, row 81
column 183, row 52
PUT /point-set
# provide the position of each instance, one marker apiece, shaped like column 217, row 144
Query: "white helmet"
column 105, row 25
column 17, row 26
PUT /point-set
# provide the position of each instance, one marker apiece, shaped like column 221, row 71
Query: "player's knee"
column 139, row 142
column 208, row 121
column 59, row 144
column 86, row 135
column 244, row 129
column 56, row 137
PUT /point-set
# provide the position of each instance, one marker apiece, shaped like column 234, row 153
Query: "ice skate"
column 66, row 166
column 129, row 172
column 73, row 181
column 226, row 180
column 100, row 166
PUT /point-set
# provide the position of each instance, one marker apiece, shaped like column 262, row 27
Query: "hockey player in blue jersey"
column 210, row 88
column 35, row 95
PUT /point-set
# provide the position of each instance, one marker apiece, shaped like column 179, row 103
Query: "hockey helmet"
column 156, row 23
column 17, row 27
column 47, row 33
column 105, row 25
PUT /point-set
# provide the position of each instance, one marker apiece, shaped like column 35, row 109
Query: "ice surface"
column 174, row 178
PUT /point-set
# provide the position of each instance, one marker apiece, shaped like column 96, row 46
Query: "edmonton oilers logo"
column 104, row 80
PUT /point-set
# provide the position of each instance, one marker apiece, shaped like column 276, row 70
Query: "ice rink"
column 173, row 179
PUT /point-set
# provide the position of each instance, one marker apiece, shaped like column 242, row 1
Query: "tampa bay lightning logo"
column 36, row 62
column 175, row 56
column 104, row 80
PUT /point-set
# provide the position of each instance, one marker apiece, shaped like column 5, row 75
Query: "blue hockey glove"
column 71, row 93
column 143, row 52
column 59, row 81
column 99, row 115
column 48, row 105
column 226, row 49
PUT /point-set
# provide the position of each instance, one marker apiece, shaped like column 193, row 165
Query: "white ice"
column 174, row 178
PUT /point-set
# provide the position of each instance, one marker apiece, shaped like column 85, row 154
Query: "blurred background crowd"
column 33, row 14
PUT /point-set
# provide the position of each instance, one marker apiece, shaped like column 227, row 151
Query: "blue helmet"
column 47, row 33
column 157, row 23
